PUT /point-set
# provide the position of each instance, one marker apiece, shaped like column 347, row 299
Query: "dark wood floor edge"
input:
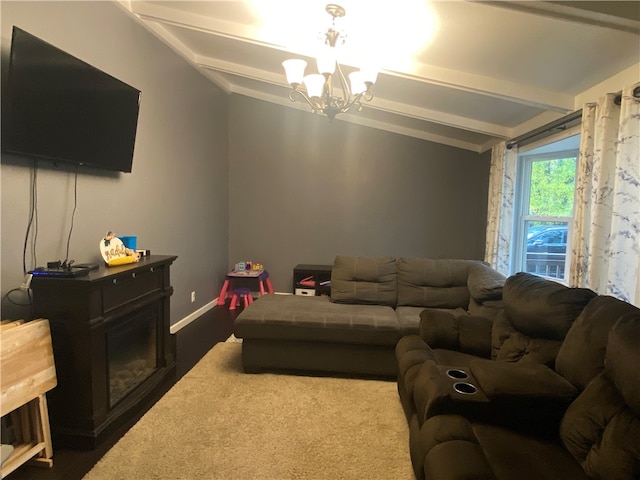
column 194, row 340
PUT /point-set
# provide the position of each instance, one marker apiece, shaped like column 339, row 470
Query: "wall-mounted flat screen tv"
column 62, row 109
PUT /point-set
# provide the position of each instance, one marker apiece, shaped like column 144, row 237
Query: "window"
column 544, row 208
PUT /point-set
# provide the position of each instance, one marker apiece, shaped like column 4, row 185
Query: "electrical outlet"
column 193, row 296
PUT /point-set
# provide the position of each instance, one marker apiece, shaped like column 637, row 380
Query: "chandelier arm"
column 346, row 90
column 367, row 96
column 304, row 96
column 356, row 100
column 327, row 91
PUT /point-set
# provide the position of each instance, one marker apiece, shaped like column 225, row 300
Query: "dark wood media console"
column 112, row 346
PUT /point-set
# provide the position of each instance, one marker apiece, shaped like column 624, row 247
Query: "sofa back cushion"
column 623, row 359
column 510, row 345
column 601, row 428
column 435, row 283
column 542, row 308
column 581, row 356
column 364, row 280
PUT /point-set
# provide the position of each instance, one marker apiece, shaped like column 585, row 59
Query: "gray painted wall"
column 303, row 190
column 176, row 198
column 220, row 179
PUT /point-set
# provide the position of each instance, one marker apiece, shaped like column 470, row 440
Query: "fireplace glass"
column 131, row 353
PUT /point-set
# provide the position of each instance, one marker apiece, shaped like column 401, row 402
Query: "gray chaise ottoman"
column 314, row 334
column 374, row 302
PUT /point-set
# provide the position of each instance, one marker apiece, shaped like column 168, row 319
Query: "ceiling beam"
column 214, row 26
column 607, row 14
column 381, row 104
column 428, row 74
column 490, row 86
column 162, row 20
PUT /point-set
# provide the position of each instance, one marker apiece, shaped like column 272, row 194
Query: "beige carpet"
column 220, row 423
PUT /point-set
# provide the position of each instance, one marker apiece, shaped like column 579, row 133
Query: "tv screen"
column 63, row 109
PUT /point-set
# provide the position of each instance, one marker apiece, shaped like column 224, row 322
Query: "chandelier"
column 321, row 92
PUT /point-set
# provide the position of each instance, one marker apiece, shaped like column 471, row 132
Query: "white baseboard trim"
column 180, row 324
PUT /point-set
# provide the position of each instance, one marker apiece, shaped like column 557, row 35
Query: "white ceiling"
column 491, row 71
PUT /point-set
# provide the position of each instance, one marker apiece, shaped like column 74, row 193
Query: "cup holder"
column 465, row 388
column 456, row 374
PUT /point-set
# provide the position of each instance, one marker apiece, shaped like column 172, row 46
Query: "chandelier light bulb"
column 326, row 60
column 294, row 70
column 369, row 74
column 314, row 84
column 357, row 83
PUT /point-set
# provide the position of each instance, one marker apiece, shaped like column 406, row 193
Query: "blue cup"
column 129, row 242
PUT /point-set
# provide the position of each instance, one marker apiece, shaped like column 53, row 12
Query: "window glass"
column 545, row 196
column 552, row 187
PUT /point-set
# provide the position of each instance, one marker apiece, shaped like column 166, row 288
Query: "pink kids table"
column 262, row 276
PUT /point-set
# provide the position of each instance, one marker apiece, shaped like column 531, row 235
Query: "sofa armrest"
column 518, row 380
column 464, row 333
column 529, row 395
column 446, row 448
column 485, row 283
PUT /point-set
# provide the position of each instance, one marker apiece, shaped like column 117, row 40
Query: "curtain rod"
column 560, row 124
column 618, row 99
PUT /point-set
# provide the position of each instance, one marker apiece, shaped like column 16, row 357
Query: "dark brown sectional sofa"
column 374, row 302
column 555, row 388
column 517, row 378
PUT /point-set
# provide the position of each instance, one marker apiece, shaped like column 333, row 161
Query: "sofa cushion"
column 601, row 428
column 623, row 359
column 542, row 308
column 409, row 319
column 581, row 356
column 510, row 345
column 602, row 433
column 456, row 330
column 298, row 318
column 437, row 283
column 364, row 280
column 451, row 447
column 514, row 455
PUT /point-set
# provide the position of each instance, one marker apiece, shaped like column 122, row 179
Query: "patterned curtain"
column 605, row 250
column 502, row 176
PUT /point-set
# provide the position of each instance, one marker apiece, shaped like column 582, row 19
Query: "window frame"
column 525, row 163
